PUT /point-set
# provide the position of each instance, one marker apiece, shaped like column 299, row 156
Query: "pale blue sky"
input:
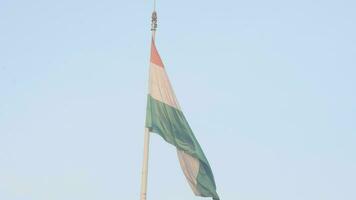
column 269, row 88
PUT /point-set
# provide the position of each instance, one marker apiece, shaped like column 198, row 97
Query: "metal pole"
column 145, row 165
column 147, row 132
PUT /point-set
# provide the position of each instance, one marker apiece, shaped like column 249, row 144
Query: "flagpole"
column 146, row 145
column 145, row 165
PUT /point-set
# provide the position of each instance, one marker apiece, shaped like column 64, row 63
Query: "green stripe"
column 171, row 124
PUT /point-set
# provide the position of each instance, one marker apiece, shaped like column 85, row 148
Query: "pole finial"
column 154, row 21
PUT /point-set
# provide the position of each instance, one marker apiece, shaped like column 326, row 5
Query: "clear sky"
column 269, row 88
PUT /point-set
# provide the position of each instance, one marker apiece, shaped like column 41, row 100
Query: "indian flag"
column 164, row 117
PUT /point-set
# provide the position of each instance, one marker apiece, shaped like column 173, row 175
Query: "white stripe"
column 190, row 167
column 160, row 87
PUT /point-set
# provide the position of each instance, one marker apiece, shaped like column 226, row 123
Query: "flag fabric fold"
column 164, row 117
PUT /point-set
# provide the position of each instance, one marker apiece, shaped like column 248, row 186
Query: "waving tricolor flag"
column 164, row 117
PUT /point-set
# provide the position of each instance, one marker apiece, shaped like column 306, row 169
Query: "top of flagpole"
column 154, row 21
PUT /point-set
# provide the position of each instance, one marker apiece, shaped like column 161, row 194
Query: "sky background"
column 269, row 88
